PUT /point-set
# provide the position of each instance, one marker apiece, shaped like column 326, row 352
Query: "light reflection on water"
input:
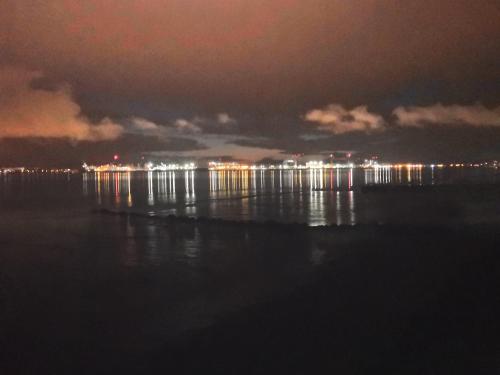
column 315, row 196
column 171, row 277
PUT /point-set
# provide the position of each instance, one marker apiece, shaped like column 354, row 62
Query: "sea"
column 100, row 272
column 315, row 197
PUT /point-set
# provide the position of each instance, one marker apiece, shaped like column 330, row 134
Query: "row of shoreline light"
column 287, row 165
column 235, row 166
column 148, row 167
column 37, row 170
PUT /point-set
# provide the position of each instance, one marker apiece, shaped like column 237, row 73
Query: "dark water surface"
column 88, row 292
column 315, row 197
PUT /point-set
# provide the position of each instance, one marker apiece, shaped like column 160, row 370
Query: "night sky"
column 248, row 79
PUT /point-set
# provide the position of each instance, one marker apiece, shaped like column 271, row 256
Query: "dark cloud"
column 255, row 68
column 438, row 114
column 427, row 144
column 54, row 152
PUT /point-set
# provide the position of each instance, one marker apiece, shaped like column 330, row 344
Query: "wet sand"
column 129, row 294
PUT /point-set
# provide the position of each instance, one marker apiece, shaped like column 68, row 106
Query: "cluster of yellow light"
column 109, row 168
column 409, row 165
column 150, row 167
column 36, row 170
column 227, row 166
column 171, row 167
column 288, row 164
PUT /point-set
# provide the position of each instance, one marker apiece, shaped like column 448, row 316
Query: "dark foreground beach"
column 106, row 293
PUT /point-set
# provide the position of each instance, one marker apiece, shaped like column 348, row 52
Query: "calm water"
column 313, row 197
column 84, row 292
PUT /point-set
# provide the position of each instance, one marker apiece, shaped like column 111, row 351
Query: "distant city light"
column 149, row 166
column 171, row 167
column 36, row 170
column 235, row 166
column 320, row 164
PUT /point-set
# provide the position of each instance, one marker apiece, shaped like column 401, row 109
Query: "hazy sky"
column 248, row 79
